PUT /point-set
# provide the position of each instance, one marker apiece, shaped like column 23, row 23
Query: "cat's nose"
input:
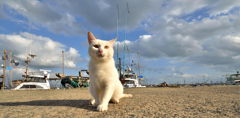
column 100, row 50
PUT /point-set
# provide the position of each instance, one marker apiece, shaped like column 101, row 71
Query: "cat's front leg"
column 107, row 95
column 97, row 96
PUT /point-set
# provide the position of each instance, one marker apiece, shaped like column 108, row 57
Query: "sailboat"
column 127, row 77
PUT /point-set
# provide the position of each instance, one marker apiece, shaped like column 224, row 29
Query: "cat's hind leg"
column 114, row 100
column 126, row 95
column 91, row 102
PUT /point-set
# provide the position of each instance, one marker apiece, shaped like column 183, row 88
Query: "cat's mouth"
column 100, row 55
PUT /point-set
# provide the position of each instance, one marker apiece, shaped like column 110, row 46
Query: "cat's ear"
column 90, row 38
column 112, row 41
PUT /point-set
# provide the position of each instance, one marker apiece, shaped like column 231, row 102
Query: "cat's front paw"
column 102, row 108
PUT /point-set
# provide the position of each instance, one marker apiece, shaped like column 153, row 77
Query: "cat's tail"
column 126, row 95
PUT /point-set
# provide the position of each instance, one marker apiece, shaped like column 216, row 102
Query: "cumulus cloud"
column 221, row 53
column 223, row 7
column 2, row 14
column 158, row 47
column 201, row 32
column 49, row 52
column 103, row 14
column 43, row 15
column 183, row 68
column 60, row 16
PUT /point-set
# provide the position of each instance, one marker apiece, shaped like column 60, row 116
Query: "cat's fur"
column 105, row 85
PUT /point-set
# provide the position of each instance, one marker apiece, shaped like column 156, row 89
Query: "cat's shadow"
column 83, row 104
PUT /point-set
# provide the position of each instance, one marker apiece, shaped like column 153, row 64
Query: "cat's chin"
column 100, row 56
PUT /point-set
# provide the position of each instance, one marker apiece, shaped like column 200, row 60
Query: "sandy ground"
column 215, row 101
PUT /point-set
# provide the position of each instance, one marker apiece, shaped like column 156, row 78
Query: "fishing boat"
column 33, row 81
column 131, row 79
column 233, row 79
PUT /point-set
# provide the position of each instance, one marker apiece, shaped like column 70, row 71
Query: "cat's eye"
column 106, row 47
column 96, row 46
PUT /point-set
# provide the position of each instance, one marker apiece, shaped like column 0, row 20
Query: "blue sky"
column 177, row 40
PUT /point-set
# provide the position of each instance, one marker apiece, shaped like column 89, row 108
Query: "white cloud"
column 223, row 7
column 199, row 16
column 212, row 40
column 157, row 46
column 49, row 52
column 102, row 5
column 44, row 15
column 183, row 68
column 174, row 61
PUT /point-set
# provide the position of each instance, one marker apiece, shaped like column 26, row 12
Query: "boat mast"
column 29, row 59
column 139, row 69
column 63, row 60
column 127, row 11
column 117, row 39
column 26, row 53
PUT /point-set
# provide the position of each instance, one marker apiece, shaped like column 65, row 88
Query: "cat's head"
column 99, row 49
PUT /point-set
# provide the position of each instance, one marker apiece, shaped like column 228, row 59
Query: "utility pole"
column 4, row 67
column 63, row 60
column 10, row 54
column 139, row 69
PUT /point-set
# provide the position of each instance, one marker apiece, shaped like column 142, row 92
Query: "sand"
column 215, row 101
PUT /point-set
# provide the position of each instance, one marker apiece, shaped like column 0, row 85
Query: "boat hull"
column 32, row 86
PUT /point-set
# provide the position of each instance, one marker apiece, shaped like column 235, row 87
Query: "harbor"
column 203, row 101
column 159, row 58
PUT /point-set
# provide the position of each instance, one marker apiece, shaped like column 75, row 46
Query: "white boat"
column 34, row 81
column 131, row 79
column 233, row 79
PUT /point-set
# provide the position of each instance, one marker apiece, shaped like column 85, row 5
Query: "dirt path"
column 146, row 102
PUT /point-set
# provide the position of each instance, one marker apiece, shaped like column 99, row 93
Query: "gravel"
column 215, row 101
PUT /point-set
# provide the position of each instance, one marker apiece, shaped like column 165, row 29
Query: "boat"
column 33, row 81
column 131, row 79
column 233, row 79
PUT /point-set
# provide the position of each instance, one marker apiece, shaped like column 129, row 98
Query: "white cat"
column 104, row 79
